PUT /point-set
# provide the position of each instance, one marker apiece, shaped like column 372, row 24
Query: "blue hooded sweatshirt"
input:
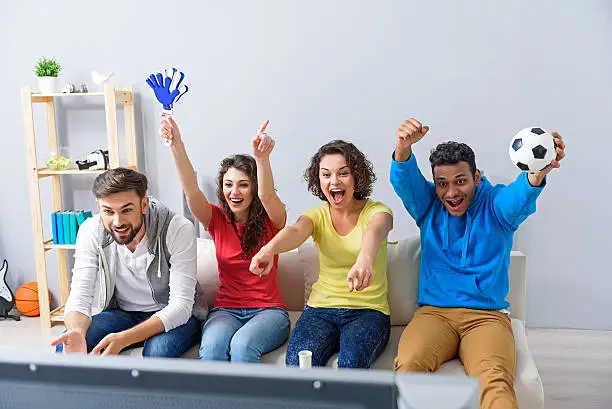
column 464, row 260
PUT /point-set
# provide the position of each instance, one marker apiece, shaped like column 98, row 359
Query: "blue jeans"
column 171, row 344
column 243, row 334
column 359, row 334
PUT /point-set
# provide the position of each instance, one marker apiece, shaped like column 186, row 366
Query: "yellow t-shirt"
column 337, row 254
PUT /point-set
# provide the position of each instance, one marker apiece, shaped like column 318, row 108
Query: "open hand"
column 410, row 132
column 111, row 344
column 262, row 144
column 74, row 342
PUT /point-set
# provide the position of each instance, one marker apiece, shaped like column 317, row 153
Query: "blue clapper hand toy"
column 168, row 89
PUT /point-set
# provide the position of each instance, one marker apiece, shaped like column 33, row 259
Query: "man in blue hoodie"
column 467, row 226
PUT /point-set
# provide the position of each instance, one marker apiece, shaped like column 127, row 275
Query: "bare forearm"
column 184, row 168
column 75, row 321
column 287, row 239
column 402, row 154
column 143, row 331
column 371, row 242
column 265, row 179
column 374, row 234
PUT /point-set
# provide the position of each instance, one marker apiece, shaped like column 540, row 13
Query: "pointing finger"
column 263, row 126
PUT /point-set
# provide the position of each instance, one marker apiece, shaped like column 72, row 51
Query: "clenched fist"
column 410, row 132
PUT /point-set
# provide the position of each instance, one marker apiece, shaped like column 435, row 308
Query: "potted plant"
column 47, row 70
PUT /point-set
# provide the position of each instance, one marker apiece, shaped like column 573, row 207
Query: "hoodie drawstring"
column 445, row 232
column 102, row 278
column 158, row 257
column 466, row 236
column 466, row 239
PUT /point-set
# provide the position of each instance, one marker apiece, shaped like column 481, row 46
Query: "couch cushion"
column 207, row 272
column 309, row 259
column 403, row 264
column 291, row 280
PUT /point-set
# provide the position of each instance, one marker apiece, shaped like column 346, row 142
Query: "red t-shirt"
column 239, row 288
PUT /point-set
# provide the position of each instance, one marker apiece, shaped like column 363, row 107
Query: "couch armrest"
column 517, row 273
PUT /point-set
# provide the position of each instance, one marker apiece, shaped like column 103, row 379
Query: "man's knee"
column 494, row 374
column 158, row 347
column 413, row 361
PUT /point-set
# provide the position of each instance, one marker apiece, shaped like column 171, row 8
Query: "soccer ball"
column 532, row 149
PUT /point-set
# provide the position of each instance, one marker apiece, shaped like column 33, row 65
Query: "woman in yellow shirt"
column 348, row 309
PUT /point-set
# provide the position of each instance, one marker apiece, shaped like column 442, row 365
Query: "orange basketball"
column 26, row 299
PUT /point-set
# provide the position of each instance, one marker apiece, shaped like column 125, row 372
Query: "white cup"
column 305, row 359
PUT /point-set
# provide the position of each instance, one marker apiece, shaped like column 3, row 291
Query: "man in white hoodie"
column 140, row 258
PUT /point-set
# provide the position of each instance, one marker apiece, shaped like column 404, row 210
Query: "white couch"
column 298, row 270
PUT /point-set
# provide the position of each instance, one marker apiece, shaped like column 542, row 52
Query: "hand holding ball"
column 532, row 149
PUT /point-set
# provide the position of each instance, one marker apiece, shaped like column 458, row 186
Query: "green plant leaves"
column 47, row 67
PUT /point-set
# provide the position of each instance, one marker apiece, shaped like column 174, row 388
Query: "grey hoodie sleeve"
column 181, row 243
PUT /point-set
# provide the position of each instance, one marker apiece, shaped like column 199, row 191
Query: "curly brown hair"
column 255, row 227
column 361, row 169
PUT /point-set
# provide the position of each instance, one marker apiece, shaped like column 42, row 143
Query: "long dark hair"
column 255, row 227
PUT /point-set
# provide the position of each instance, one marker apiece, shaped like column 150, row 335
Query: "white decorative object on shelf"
column 100, row 79
column 67, row 89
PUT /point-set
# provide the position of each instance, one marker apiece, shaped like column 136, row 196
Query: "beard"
column 133, row 231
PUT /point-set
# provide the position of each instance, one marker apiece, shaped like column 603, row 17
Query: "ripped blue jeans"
column 359, row 334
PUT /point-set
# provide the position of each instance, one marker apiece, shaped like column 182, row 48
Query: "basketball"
column 26, row 299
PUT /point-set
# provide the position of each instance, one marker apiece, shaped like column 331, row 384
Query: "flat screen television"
column 56, row 381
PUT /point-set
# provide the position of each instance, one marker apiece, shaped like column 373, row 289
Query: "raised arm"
column 262, row 147
column 362, row 273
column 196, row 200
column 515, row 202
column 289, row 238
column 407, row 180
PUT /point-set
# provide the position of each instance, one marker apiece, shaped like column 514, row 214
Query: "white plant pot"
column 47, row 85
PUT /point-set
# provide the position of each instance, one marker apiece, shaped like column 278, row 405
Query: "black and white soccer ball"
column 532, row 149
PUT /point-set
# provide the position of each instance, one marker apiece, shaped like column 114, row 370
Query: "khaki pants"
column 483, row 340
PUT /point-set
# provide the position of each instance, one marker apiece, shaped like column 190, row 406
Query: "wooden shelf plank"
column 48, row 245
column 59, row 309
column 124, row 96
column 68, row 94
column 44, row 172
column 57, row 315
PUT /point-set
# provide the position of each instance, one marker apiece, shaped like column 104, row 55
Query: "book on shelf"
column 65, row 225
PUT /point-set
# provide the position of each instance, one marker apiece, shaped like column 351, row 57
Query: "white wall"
column 476, row 71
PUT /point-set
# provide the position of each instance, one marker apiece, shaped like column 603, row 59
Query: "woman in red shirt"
column 249, row 317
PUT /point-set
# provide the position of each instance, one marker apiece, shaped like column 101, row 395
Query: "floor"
column 575, row 366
